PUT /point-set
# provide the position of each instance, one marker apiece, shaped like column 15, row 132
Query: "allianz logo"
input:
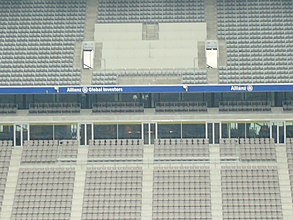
column 83, row 89
column 72, row 89
column 86, row 89
column 248, row 88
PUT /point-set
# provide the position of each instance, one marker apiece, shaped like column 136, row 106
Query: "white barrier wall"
column 124, row 48
column 212, row 53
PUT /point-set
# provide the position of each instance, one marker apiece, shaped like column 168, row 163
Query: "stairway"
column 216, row 191
column 211, row 19
column 222, row 59
column 213, row 76
column 77, row 55
column 284, row 181
column 79, row 183
column 147, row 185
column 150, row 32
column 212, row 34
column 11, row 183
column 202, row 62
column 91, row 18
column 98, row 56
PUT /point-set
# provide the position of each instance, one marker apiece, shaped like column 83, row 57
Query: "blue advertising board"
column 147, row 89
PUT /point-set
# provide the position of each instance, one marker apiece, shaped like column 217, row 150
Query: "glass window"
column 233, row 130
column 225, row 130
column 41, row 132
column 104, row 98
column 18, row 135
column 129, row 131
column 281, row 132
column 82, row 134
column 288, row 96
column 169, row 131
column 131, row 97
column 258, row 96
column 217, row 133
column 231, row 96
column 193, row 130
column 105, row 131
column 289, row 129
column 25, row 132
column 146, row 133
column 6, row 132
column 241, row 130
column 65, row 132
column 153, row 133
column 7, row 98
column 71, row 98
column 275, row 131
column 210, row 133
column 47, row 98
column 88, row 133
column 193, row 97
column 169, row 97
column 258, row 130
column 278, row 98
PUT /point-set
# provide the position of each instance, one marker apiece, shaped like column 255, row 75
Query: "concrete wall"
column 123, row 47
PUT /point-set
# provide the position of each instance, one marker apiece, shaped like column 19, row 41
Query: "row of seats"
column 114, row 107
column 5, row 143
column 181, row 192
column 39, row 77
column 251, row 192
column 49, row 151
column 118, row 107
column 45, row 108
column 43, row 194
column 5, row 156
column 256, row 141
column 129, row 11
column 181, row 107
column 7, row 108
column 37, row 42
column 288, row 105
column 112, row 193
column 248, row 192
column 229, row 149
column 115, row 149
column 101, row 107
column 235, row 106
column 107, row 142
column 250, row 149
column 196, row 149
column 237, row 75
column 188, row 76
column 289, row 149
column 259, row 45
